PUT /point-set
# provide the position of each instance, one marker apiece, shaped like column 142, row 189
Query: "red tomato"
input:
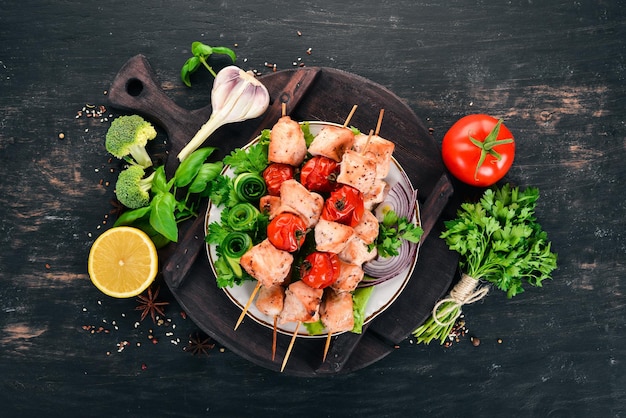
column 345, row 205
column 320, row 269
column 319, row 174
column 287, row 231
column 274, row 175
column 478, row 150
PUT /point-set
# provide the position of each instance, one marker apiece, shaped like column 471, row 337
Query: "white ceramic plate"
column 382, row 297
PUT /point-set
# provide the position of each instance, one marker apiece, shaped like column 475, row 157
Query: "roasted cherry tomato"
column 478, row 150
column 345, row 205
column 319, row 174
column 287, row 231
column 275, row 174
column 320, row 269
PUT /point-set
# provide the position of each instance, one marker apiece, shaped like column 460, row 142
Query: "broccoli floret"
column 128, row 135
column 132, row 189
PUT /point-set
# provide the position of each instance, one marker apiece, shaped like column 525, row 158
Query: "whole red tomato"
column 275, row 174
column 319, row 174
column 478, row 150
column 320, row 269
column 345, row 206
column 287, row 231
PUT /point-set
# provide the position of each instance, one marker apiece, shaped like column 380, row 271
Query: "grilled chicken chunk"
column 357, row 170
column 357, row 252
column 332, row 236
column 376, row 194
column 336, row 311
column 267, row 264
column 287, row 144
column 301, row 201
column 270, row 300
column 332, row 142
column 379, row 149
column 302, row 303
column 349, row 277
column 367, row 228
column 269, row 205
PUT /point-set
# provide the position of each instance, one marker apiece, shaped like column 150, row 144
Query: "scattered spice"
column 148, row 305
column 61, row 135
column 93, row 112
column 475, row 341
column 457, row 332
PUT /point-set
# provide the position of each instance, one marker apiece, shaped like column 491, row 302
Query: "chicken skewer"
column 258, row 285
column 268, row 265
column 302, row 304
column 270, row 302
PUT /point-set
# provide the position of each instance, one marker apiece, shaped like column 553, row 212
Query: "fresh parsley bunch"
column 500, row 242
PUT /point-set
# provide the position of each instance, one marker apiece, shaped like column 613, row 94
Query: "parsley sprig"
column 392, row 230
column 500, row 242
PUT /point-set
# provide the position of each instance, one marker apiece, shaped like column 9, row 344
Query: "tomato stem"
column 486, row 146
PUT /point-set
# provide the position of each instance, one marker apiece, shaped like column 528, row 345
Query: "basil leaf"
column 190, row 66
column 159, row 182
column 162, row 215
column 131, row 216
column 189, row 168
column 207, row 173
column 225, row 51
column 200, row 49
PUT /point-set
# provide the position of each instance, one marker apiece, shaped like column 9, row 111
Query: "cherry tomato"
column 275, row 174
column 478, row 150
column 320, row 269
column 319, row 174
column 345, row 205
column 287, row 231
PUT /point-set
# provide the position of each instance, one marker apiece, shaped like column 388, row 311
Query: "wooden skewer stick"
column 327, row 346
column 369, row 138
column 345, row 124
column 274, row 338
column 293, row 340
column 245, row 309
column 283, row 108
column 380, row 121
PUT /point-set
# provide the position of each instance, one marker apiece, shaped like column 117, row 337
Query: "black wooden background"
column 554, row 70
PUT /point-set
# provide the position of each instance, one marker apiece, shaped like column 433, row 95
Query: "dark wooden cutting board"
column 321, row 94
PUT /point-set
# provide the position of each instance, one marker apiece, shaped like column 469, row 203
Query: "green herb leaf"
column 500, row 241
column 201, row 53
column 190, row 166
column 252, row 159
column 207, row 173
column 162, row 216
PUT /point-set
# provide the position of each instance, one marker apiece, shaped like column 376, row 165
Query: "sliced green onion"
column 250, row 187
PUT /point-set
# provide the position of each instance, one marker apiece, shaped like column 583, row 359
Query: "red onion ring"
column 402, row 199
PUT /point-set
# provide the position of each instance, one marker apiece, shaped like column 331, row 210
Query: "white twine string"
column 463, row 293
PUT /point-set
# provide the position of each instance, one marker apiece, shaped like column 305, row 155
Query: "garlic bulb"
column 236, row 96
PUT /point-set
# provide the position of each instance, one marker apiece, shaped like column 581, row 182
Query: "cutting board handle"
column 135, row 89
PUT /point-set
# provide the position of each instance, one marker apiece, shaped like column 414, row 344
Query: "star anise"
column 199, row 344
column 117, row 208
column 148, row 305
